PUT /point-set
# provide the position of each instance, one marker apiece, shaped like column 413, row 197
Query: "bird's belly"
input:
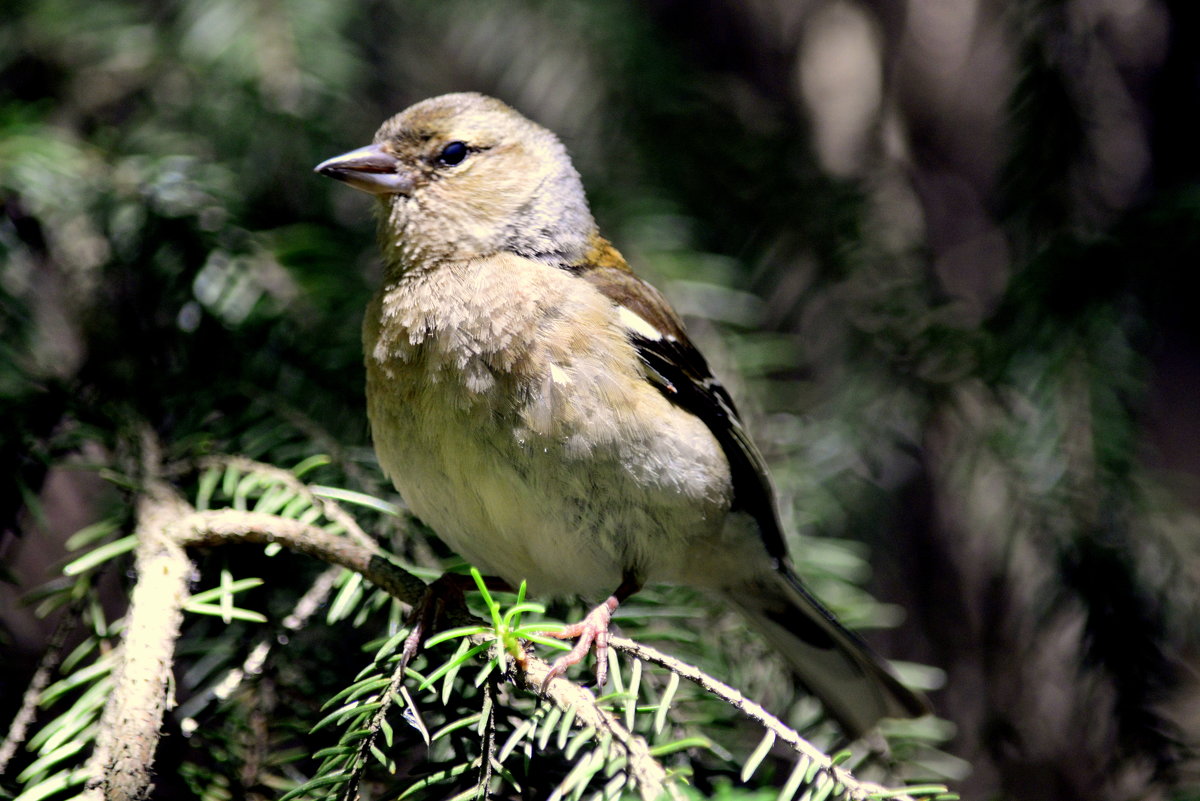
column 521, row 427
column 568, row 519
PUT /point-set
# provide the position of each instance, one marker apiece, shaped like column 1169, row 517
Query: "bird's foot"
column 591, row 632
column 442, row 600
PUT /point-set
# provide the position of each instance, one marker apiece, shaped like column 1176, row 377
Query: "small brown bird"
column 542, row 408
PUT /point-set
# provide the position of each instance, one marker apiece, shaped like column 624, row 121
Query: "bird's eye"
column 453, row 153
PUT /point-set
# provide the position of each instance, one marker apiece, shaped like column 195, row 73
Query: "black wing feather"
column 683, row 377
column 678, row 370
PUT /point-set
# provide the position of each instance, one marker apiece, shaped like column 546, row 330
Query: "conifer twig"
column 230, row 526
column 33, row 692
column 807, row 753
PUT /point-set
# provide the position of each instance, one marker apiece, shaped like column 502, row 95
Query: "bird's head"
column 463, row 176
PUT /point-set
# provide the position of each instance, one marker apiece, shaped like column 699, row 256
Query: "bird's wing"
column 678, row 370
column 857, row 687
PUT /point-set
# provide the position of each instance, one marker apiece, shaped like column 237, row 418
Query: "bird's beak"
column 370, row 169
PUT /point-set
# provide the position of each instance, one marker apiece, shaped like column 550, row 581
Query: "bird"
column 543, row 410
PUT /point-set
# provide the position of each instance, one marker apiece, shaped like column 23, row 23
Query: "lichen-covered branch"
column 129, row 728
column 227, row 526
column 646, row 771
column 120, row 766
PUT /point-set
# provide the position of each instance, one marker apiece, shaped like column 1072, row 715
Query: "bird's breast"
column 510, row 410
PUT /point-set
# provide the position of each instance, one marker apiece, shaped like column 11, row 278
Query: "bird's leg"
column 591, row 632
column 441, row 599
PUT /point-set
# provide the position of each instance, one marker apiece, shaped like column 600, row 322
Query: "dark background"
column 945, row 252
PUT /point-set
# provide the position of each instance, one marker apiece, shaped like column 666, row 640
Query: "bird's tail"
column 856, row 686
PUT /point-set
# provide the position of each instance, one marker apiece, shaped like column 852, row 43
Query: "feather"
column 679, row 371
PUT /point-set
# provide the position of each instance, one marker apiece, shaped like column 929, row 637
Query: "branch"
column 330, row 509
column 119, row 768
column 129, row 728
column 646, row 771
column 227, row 526
column 33, row 692
column 814, row 760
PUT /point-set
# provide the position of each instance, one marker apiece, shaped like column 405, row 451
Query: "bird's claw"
column 443, row 599
column 424, row 616
column 591, row 632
